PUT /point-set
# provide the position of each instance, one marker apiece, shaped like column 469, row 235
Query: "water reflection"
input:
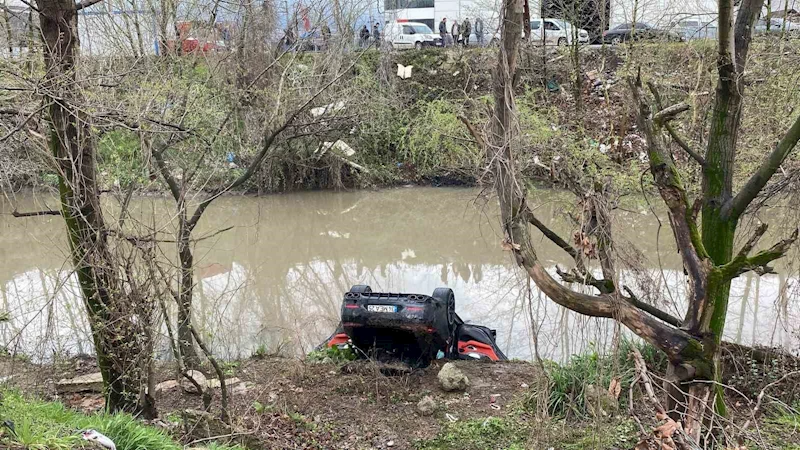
column 277, row 278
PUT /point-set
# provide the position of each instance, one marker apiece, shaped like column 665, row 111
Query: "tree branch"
column 734, row 208
column 49, row 212
column 650, row 309
column 604, row 286
column 672, row 131
column 669, row 113
column 758, row 262
column 81, row 5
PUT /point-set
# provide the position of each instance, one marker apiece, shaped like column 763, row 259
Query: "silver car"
column 776, row 26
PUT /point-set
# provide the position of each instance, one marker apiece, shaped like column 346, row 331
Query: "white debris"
column 333, row 107
column 99, row 438
column 404, row 72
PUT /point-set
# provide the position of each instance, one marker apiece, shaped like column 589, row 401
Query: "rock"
column 167, row 385
column 451, row 378
column 214, row 383
column 242, row 387
column 197, row 376
column 426, row 406
column 92, row 382
column 599, row 402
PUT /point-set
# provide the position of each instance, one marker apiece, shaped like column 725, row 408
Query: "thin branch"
column 49, row 212
column 650, row 309
column 734, row 208
column 669, row 113
column 672, row 131
column 24, row 121
column 758, row 262
column 81, row 5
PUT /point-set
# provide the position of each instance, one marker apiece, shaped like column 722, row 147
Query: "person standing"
column 376, row 34
column 479, row 31
column 455, row 31
column 443, row 31
column 326, row 33
column 466, row 29
column 364, row 35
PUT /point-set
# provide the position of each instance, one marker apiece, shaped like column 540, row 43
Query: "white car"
column 556, row 32
column 410, row 35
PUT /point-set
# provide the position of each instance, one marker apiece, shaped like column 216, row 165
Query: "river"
column 276, row 279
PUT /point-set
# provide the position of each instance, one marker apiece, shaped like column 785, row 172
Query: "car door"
column 552, row 32
column 536, row 31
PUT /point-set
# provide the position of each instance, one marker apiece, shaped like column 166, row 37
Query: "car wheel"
column 562, row 42
column 418, row 45
column 616, row 40
column 446, row 296
column 361, row 289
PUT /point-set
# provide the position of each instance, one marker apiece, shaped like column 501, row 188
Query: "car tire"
column 616, row 40
column 562, row 42
column 418, row 45
column 446, row 296
column 360, row 289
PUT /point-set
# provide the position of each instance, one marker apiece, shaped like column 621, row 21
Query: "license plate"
column 382, row 308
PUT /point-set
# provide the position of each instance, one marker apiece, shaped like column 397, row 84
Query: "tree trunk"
column 185, row 297
column 114, row 335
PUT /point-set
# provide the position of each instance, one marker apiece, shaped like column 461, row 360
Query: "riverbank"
column 326, row 403
column 408, row 131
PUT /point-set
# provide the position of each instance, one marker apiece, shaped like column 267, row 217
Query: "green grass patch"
column 569, row 383
column 50, row 425
column 481, row 434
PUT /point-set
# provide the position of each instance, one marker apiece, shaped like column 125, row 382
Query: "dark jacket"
column 364, row 33
column 466, row 28
column 442, row 27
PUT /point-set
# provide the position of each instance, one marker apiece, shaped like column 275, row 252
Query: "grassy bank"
column 40, row 424
column 408, row 130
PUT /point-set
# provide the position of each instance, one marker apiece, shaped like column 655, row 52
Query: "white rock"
column 92, row 382
column 167, row 385
column 197, row 376
column 451, row 378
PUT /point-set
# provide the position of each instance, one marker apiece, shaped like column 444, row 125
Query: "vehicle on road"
column 776, row 26
column 401, row 35
column 695, row 28
column 638, row 31
column 556, row 32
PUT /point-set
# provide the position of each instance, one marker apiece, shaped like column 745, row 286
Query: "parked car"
column 637, row 31
column 695, row 28
column 410, row 35
column 556, row 32
column 776, row 26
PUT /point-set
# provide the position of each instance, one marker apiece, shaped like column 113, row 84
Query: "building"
column 594, row 15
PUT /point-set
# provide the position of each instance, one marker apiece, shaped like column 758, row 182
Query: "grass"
column 51, row 426
column 517, row 432
column 568, row 385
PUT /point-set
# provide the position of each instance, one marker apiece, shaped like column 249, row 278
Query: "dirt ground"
column 291, row 404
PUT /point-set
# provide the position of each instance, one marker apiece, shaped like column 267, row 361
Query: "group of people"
column 364, row 35
column 459, row 34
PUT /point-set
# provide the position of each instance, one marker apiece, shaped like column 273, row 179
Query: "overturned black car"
column 413, row 328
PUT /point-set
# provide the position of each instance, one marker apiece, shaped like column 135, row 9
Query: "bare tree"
column 706, row 246
column 116, row 330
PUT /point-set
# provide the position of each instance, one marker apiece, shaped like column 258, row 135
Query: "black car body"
column 636, row 31
column 412, row 327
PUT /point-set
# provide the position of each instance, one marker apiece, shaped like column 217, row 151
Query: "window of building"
column 407, row 4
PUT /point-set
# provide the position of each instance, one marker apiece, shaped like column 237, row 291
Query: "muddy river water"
column 276, row 279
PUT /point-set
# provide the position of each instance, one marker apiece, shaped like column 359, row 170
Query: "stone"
column 92, row 382
column 167, row 385
column 426, row 406
column 214, row 383
column 197, row 376
column 242, row 387
column 599, row 402
column 451, row 378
